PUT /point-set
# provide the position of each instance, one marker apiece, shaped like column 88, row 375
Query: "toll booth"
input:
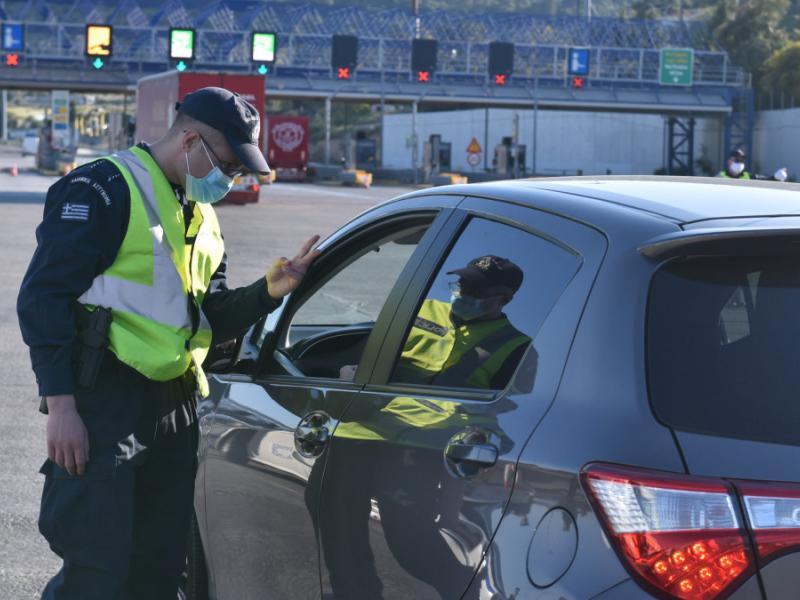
column 366, row 151
column 51, row 157
column 437, row 156
column 360, row 152
column 509, row 158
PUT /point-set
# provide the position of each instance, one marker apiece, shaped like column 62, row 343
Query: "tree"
column 750, row 33
column 782, row 71
column 643, row 9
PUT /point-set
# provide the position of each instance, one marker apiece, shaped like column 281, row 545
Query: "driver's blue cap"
column 234, row 117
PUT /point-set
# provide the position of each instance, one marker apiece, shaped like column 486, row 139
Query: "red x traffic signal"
column 577, row 82
column 12, row 60
column 344, row 73
column 423, row 76
column 500, row 79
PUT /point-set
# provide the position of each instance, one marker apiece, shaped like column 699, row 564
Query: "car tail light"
column 679, row 536
column 773, row 512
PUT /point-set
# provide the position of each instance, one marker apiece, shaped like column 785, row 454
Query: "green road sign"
column 677, row 66
column 263, row 47
column 181, row 44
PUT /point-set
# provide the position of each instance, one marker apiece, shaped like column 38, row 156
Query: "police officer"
column 135, row 233
column 735, row 166
column 467, row 342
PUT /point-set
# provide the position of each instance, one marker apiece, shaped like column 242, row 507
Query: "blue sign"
column 12, row 37
column 578, row 62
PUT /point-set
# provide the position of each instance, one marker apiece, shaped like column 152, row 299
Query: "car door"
column 264, row 452
column 421, row 467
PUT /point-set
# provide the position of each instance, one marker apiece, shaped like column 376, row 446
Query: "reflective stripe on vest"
column 152, row 280
column 164, row 300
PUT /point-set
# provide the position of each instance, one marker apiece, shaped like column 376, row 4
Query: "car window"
column 480, row 315
column 329, row 329
column 722, row 346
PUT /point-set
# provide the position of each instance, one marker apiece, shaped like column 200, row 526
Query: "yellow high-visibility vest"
column 468, row 355
column 744, row 175
column 158, row 277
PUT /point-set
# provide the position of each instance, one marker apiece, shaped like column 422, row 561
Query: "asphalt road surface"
column 285, row 217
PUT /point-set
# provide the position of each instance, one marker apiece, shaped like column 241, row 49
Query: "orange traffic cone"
column 14, row 170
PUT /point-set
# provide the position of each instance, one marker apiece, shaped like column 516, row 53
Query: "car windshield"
column 723, row 346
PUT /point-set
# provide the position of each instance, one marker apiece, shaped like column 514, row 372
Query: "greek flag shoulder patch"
column 72, row 211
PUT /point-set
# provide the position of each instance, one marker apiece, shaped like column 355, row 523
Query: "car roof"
column 678, row 199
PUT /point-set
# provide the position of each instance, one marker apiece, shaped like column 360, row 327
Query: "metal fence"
column 776, row 100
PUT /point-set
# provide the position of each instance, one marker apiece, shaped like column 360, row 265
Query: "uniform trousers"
column 122, row 527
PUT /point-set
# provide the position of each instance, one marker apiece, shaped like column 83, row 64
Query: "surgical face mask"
column 736, row 168
column 466, row 308
column 211, row 188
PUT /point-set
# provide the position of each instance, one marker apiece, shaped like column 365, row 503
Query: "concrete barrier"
column 356, row 177
column 448, row 179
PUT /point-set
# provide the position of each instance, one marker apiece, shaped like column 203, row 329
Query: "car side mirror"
column 239, row 355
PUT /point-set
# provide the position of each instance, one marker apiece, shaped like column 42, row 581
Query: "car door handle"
column 484, row 455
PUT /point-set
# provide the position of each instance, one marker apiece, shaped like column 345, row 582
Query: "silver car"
column 567, row 388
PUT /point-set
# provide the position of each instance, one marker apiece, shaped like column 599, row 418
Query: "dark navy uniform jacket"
column 85, row 220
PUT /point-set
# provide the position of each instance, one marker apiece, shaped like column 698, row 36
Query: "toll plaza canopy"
column 623, row 70
column 708, row 101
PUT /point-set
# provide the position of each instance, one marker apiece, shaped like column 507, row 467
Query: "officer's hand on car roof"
column 285, row 275
column 67, row 437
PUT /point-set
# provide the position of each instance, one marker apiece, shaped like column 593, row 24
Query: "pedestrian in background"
column 735, row 167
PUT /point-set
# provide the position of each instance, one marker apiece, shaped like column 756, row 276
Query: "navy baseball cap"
column 234, row 117
column 491, row 271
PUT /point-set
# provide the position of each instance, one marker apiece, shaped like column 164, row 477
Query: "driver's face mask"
column 211, row 188
column 466, row 308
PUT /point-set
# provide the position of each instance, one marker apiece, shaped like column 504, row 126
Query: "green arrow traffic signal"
column 263, row 70
column 98, row 63
column 181, row 66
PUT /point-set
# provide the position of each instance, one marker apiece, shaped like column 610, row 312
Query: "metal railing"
column 304, row 54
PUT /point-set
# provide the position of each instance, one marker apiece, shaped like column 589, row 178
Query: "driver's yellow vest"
column 156, row 285
column 470, row 355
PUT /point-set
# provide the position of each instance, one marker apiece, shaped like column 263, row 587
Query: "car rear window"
column 723, row 347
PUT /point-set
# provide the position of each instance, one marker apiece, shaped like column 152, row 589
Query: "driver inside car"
column 468, row 341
